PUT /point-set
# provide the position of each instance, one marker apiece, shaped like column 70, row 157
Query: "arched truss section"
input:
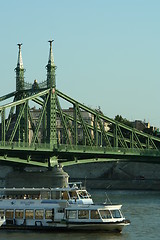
column 78, row 132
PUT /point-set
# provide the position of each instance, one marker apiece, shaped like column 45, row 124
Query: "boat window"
column 37, row 196
column 9, row 213
column 45, row 195
column 83, row 214
column 39, row 213
column 29, row 214
column 105, row 214
column 73, row 194
column 95, row 214
column 19, row 213
column 71, row 214
column 1, row 212
column 65, row 195
column 56, row 195
column 116, row 214
column 48, row 214
column 61, row 210
column 83, row 194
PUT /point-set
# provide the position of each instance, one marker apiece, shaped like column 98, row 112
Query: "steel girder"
column 101, row 133
column 118, row 135
column 39, row 122
column 64, row 123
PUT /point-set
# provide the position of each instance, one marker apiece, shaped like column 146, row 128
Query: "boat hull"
column 109, row 227
column 99, row 227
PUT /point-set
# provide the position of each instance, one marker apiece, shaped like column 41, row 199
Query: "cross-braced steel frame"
column 74, row 134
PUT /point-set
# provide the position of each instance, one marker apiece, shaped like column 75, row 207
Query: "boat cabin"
column 72, row 193
column 94, row 213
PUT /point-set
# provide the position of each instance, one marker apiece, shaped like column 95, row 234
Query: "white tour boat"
column 68, row 208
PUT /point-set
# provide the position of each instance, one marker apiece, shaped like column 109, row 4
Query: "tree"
column 120, row 119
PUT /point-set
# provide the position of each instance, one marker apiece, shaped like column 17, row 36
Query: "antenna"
column 107, row 198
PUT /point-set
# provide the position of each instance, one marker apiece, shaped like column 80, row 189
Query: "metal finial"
column 20, row 62
column 50, row 41
column 51, row 59
column 19, row 45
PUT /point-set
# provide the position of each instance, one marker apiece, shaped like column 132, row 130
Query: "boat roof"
column 94, row 207
column 70, row 187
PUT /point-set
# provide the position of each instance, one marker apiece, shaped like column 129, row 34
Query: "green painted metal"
column 10, row 116
column 26, row 123
column 20, row 161
column 3, row 125
column 30, row 98
column 104, row 133
column 82, row 132
column 75, row 138
column 87, row 135
column 115, row 140
column 35, row 135
column 96, row 130
column 7, row 96
column 19, row 133
column 19, row 71
column 51, row 106
column 64, row 123
column 121, row 138
column 17, row 124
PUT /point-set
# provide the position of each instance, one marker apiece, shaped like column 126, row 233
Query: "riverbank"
column 98, row 175
column 116, row 175
column 149, row 185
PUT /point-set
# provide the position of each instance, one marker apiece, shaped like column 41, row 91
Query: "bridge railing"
column 109, row 150
column 93, row 151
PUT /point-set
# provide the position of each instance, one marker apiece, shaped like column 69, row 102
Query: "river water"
column 142, row 208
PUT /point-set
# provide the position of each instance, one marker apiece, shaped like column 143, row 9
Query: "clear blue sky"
column 107, row 52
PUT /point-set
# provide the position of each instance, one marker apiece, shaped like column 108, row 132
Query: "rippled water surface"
column 141, row 207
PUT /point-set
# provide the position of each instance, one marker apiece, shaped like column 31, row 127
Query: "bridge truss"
column 65, row 135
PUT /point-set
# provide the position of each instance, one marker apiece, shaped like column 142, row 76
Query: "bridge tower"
column 51, row 104
column 21, row 129
column 21, row 110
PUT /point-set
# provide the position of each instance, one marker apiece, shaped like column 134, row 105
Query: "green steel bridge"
column 59, row 136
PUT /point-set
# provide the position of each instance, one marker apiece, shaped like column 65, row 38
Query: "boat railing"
column 77, row 185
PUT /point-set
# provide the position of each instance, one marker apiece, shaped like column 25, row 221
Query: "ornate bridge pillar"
column 51, row 105
column 22, row 132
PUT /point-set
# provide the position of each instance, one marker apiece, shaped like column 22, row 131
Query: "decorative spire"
column 19, row 71
column 19, row 62
column 51, row 77
column 51, row 59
